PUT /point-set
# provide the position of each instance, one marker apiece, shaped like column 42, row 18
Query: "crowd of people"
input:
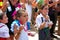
column 16, row 17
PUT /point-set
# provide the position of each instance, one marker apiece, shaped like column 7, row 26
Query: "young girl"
column 19, row 26
column 4, row 31
column 44, row 24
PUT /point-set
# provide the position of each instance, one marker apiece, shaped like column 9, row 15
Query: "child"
column 44, row 24
column 19, row 26
column 4, row 31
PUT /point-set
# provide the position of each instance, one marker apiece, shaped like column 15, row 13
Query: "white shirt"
column 23, row 35
column 4, row 31
column 39, row 20
column 29, row 11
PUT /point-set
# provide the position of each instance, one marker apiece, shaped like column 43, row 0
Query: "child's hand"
column 21, row 28
column 42, row 25
column 50, row 24
column 47, row 17
column 5, row 5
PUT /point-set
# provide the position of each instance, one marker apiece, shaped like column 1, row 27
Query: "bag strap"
column 42, row 19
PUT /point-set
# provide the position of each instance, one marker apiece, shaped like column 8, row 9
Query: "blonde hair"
column 20, row 12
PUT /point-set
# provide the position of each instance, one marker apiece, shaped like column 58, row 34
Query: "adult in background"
column 53, row 16
column 10, row 10
column 58, row 11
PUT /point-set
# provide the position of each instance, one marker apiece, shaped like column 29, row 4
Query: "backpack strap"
column 42, row 19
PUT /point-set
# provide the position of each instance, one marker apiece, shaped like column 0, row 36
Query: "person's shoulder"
column 40, row 15
column 15, row 22
column 3, row 26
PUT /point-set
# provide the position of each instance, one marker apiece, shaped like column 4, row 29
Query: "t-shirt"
column 24, row 34
column 4, row 31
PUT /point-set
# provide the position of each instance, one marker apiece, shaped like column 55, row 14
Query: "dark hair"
column 43, row 6
column 20, row 12
column 1, row 15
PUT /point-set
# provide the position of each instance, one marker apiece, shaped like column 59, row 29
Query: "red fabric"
column 0, row 6
column 2, row 38
column 0, row 0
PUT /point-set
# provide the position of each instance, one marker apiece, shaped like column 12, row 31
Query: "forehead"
column 46, row 7
column 25, row 13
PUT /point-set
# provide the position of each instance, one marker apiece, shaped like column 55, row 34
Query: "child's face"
column 45, row 10
column 4, row 19
column 24, row 18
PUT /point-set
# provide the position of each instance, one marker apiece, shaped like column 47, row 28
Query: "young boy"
column 44, row 24
column 4, row 31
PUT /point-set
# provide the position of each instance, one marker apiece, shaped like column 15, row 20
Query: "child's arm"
column 42, row 25
column 50, row 24
column 52, row 4
column 39, row 23
column 4, row 6
column 17, row 32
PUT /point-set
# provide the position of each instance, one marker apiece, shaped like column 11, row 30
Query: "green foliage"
column 40, row 3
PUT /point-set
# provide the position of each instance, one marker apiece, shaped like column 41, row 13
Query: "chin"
column 7, row 22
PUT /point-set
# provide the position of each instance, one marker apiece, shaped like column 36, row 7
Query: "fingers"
column 21, row 28
column 42, row 25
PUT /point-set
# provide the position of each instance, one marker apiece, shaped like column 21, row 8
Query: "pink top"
column 17, row 8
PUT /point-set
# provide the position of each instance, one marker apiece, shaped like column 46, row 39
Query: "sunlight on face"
column 24, row 18
column 45, row 9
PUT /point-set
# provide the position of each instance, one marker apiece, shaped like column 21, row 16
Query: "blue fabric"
column 16, row 22
column 28, row 25
column 44, row 34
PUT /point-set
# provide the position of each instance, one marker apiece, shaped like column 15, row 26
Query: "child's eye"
column 25, row 15
column 46, row 8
